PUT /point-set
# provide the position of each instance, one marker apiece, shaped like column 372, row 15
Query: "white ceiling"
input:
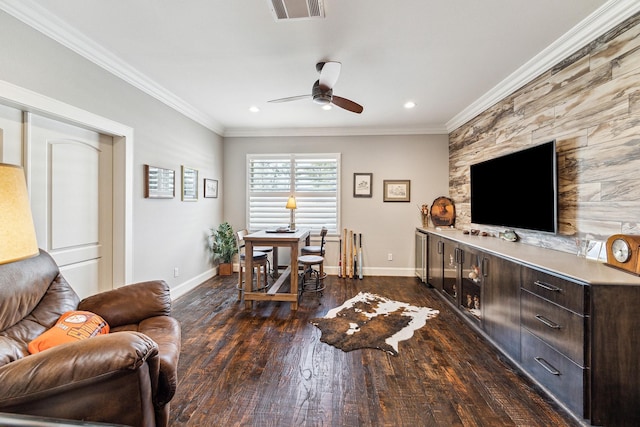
column 213, row 59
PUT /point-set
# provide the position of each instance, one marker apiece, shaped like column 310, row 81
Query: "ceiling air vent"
column 296, row 9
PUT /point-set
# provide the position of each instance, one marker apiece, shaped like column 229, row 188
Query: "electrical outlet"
column 176, row 272
column 389, row 257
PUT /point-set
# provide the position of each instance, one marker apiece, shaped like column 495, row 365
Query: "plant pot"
column 225, row 269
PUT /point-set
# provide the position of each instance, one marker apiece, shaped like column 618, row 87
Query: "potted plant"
column 222, row 244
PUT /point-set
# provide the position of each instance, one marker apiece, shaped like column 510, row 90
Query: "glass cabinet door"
column 450, row 270
column 471, row 282
column 434, row 254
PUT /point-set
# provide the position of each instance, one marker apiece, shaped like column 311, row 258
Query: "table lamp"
column 291, row 204
column 17, row 233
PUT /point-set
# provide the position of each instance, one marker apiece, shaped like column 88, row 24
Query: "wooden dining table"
column 276, row 240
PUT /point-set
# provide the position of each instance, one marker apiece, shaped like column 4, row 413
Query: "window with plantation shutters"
column 312, row 178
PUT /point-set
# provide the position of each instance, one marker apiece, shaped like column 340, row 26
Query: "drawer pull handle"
column 547, row 322
column 547, row 286
column 547, row 366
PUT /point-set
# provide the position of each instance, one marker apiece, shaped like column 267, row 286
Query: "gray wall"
column 386, row 227
column 166, row 233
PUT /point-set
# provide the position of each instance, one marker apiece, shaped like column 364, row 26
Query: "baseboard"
column 184, row 287
column 377, row 271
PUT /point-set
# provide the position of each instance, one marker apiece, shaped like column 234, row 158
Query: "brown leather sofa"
column 125, row 377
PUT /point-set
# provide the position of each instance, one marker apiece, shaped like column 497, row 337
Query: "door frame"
column 32, row 102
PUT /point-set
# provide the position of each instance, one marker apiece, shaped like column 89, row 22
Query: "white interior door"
column 70, row 172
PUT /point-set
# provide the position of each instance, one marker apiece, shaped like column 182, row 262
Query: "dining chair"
column 313, row 256
column 260, row 262
column 266, row 249
column 317, row 250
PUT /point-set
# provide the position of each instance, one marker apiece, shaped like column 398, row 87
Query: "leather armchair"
column 125, row 377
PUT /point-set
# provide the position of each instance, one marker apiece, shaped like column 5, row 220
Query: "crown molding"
column 602, row 20
column 34, row 15
column 606, row 17
column 346, row 131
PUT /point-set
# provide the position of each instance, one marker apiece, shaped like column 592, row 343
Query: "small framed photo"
column 210, row 188
column 189, row 184
column 398, row 190
column 362, row 184
column 159, row 183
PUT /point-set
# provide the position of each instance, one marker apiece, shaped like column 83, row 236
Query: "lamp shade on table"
column 292, row 205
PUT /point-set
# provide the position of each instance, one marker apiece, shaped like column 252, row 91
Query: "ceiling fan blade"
column 347, row 104
column 291, row 98
column 329, row 74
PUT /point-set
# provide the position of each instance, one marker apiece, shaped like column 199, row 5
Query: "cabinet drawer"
column 557, row 373
column 558, row 327
column 561, row 291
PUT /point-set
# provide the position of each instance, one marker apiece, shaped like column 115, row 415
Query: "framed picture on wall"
column 210, row 188
column 189, row 184
column 362, row 184
column 159, row 183
column 398, row 190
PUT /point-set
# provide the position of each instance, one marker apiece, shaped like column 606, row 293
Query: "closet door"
column 70, row 170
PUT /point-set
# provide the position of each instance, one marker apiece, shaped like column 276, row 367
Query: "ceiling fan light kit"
column 321, row 96
column 322, row 90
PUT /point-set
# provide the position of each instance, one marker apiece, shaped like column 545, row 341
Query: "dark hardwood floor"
column 267, row 367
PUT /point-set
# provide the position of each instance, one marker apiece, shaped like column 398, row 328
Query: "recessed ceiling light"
column 254, row 109
column 410, row 104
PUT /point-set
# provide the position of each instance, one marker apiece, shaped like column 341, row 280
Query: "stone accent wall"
column 590, row 104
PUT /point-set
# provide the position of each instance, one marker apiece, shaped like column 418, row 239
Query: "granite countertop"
column 585, row 270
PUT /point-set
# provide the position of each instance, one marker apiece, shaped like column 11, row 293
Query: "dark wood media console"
column 570, row 324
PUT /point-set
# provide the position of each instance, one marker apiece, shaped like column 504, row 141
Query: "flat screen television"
column 518, row 190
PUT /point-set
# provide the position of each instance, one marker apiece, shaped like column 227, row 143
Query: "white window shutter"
column 314, row 179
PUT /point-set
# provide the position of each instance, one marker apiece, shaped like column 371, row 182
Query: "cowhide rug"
column 371, row 321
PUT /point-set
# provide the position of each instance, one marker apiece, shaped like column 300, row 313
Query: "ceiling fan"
column 322, row 90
